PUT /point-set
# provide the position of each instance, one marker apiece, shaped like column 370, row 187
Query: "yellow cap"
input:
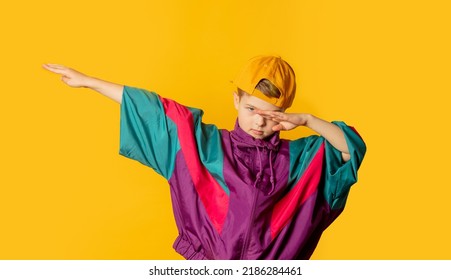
column 274, row 69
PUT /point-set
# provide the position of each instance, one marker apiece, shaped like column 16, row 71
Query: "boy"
column 245, row 193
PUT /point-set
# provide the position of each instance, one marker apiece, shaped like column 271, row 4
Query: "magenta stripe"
column 305, row 187
column 212, row 195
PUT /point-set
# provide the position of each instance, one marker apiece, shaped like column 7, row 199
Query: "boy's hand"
column 286, row 121
column 69, row 76
column 74, row 78
column 331, row 132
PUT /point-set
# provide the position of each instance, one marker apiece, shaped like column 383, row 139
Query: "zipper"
column 251, row 221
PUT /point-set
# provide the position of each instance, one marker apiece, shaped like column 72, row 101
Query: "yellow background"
column 381, row 66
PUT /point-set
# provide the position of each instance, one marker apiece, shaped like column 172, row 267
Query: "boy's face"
column 251, row 122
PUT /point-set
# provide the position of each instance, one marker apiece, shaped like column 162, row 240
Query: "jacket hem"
column 183, row 246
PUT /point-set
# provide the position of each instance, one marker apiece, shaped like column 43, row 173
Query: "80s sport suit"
column 235, row 197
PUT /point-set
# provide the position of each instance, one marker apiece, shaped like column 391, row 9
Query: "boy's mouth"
column 257, row 132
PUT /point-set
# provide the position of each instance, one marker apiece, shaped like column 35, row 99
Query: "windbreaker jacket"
column 233, row 196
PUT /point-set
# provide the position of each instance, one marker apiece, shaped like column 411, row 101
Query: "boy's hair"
column 266, row 87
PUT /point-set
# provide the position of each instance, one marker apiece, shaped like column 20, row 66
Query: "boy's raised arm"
column 330, row 131
column 74, row 78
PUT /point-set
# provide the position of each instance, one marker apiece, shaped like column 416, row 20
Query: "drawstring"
column 260, row 168
column 271, row 179
column 240, row 138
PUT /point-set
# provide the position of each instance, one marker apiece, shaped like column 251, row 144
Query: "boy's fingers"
column 278, row 117
column 272, row 114
column 266, row 113
column 54, row 66
column 268, row 117
column 57, row 66
column 58, row 70
column 272, row 118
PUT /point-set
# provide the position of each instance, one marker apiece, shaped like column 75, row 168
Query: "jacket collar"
column 241, row 138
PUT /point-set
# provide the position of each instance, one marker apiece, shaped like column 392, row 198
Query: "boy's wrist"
column 308, row 119
column 90, row 82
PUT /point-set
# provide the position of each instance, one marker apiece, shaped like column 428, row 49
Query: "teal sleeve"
column 146, row 133
column 339, row 175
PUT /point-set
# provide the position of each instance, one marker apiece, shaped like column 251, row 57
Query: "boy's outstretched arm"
column 331, row 132
column 74, row 78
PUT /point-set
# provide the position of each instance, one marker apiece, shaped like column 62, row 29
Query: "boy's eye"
column 251, row 109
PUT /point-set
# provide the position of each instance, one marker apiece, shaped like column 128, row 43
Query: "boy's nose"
column 259, row 121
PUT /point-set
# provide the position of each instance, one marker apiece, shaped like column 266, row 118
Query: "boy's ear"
column 236, row 100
